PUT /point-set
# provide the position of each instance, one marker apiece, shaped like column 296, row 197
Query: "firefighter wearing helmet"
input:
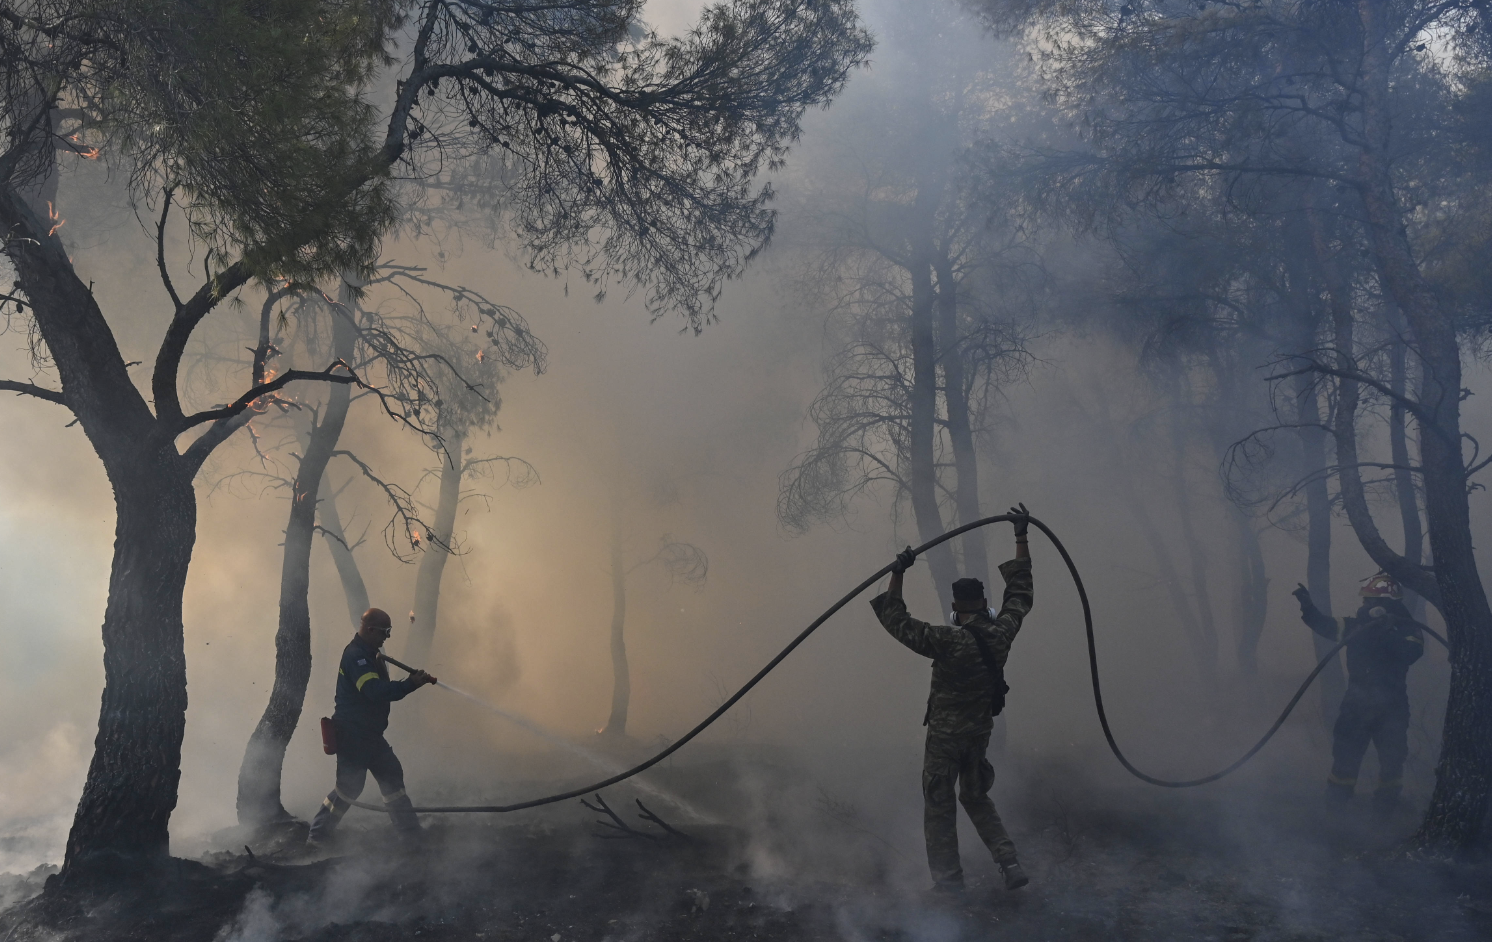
column 1383, row 639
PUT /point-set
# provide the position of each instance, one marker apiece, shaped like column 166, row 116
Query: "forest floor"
column 1116, row 863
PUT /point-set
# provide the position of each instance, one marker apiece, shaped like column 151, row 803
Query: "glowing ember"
column 52, row 217
column 480, row 356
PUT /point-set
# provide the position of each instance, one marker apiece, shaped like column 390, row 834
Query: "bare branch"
column 160, row 248
column 31, row 389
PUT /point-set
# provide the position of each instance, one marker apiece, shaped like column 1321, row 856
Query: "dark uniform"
column 959, row 719
column 1375, row 708
column 364, row 693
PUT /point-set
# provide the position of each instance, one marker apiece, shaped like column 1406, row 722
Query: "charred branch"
column 31, row 389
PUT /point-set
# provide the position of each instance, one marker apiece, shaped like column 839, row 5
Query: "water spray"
column 1103, row 717
column 602, row 762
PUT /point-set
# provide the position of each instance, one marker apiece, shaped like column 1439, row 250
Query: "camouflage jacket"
column 959, row 703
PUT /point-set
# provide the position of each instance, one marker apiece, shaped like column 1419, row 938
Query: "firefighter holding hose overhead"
column 1383, row 640
column 968, row 689
column 364, row 693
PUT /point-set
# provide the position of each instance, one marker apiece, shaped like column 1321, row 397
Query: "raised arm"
column 891, row 609
column 1318, row 621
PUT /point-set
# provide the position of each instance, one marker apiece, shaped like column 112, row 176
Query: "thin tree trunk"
column 1196, row 555
column 1332, row 682
column 1311, row 436
column 433, row 564
column 922, row 437
column 960, row 426
column 353, row 587
column 1253, row 594
column 1119, row 472
column 1404, row 489
column 264, row 759
column 621, row 676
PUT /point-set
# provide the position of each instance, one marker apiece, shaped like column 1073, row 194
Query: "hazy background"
column 694, row 431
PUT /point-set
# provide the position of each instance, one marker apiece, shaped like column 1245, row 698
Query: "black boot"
column 1015, row 877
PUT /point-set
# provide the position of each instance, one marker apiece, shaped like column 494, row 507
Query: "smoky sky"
column 691, row 432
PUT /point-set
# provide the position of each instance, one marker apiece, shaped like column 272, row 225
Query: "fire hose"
column 1098, row 703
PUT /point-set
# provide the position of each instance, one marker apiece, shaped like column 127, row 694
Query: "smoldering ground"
column 802, row 808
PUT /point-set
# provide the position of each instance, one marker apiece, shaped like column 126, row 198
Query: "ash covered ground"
column 770, row 853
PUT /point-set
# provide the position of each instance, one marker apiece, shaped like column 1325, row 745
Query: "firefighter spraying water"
column 364, row 692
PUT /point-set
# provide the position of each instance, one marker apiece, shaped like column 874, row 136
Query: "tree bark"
column 433, row 564
column 263, row 762
column 124, row 812
column 1463, row 777
column 130, row 791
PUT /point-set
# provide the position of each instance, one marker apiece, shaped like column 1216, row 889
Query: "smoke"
column 819, row 768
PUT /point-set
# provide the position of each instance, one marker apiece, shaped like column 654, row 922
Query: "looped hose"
column 1103, row 718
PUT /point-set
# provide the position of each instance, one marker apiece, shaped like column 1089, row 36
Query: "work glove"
column 421, row 678
column 1302, row 595
column 1022, row 521
column 904, row 561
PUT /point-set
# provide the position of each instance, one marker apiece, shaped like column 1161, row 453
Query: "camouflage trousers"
column 959, row 760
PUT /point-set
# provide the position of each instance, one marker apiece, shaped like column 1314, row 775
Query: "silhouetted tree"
column 924, row 289
column 273, row 142
column 1344, row 102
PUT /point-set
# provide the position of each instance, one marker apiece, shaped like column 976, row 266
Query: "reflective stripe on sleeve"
column 371, row 675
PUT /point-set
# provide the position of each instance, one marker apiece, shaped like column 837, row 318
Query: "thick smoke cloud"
column 692, row 432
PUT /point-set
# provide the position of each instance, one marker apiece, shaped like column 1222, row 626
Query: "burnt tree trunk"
column 126, row 806
column 131, row 788
column 437, row 552
column 259, row 775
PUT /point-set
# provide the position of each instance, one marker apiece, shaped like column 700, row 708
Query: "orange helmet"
column 1380, row 586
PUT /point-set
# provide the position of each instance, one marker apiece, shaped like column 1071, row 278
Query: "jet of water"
column 601, row 762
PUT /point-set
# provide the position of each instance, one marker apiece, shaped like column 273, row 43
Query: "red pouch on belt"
column 328, row 736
